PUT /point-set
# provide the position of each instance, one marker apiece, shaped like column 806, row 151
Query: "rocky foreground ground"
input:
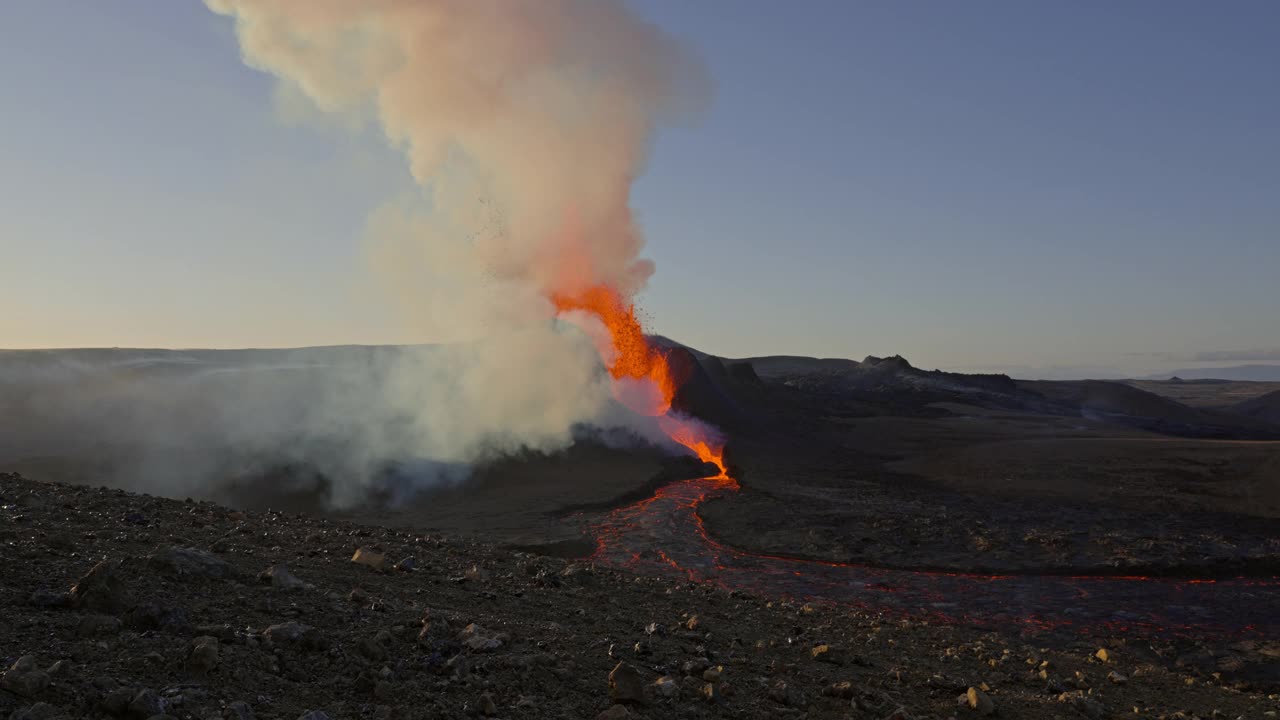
column 115, row 605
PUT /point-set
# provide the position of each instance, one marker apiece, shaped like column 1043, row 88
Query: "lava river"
column 664, row 535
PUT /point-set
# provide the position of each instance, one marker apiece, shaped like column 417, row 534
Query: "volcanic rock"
column 187, row 563
column 626, row 685
column 280, row 577
column 666, row 687
column 294, row 632
column 1084, row 705
column 203, row 656
column 827, row 654
column 24, row 679
column 979, row 702
column 477, row 639
column 101, row 589
column 369, row 558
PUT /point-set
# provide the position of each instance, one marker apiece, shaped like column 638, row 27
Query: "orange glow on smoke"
column 630, row 356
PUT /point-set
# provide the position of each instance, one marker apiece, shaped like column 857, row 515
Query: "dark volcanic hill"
column 1265, row 408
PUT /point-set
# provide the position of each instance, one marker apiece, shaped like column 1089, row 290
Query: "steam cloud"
column 524, row 123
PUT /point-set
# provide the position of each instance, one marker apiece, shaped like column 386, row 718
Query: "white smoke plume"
column 524, row 123
column 545, row 108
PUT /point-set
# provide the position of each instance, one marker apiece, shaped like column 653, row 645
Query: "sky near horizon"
column 984, row 185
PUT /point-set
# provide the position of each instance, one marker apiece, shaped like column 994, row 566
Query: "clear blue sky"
column 983, row 184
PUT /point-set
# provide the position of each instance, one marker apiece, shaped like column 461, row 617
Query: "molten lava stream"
column 664, row 536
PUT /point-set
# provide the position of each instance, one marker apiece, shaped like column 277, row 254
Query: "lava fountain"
column 642, row 377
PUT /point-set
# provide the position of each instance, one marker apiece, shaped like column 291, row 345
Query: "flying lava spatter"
column 631, row 357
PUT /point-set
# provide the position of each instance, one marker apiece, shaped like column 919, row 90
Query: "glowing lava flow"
column 664, row 535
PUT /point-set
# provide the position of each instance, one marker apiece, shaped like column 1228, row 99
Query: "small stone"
column 980, row 702
column 1084, row 705
column 294, row 632
column 238, row 710
column 188, row 563
column 711, row 693
column 369, row 558
column 24, row 679
column 236, row 516
column 101, row 589
column 626, row 685
column 487, row 706
column 693, row 623
column 203, row 656
column 842, row 689
column 477, row 639
column 406, row 565
column 667, row 687
column 1117, row 678
column 280, row 577
column 784, row 694
column 712, row 674
column 358, row 596
column 825, row 653
column 1103, row 655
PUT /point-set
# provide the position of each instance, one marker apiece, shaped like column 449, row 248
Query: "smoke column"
column 524, row 124
column 545, row 108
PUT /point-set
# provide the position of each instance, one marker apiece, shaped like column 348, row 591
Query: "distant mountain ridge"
column 1246, row 373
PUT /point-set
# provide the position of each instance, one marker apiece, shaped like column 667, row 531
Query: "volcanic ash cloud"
column 545, row 106
column 524, row 123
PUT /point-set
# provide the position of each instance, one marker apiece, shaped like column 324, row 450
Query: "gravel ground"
column 194, row 610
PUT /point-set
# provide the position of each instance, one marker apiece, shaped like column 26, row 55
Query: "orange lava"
column 630, row 356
